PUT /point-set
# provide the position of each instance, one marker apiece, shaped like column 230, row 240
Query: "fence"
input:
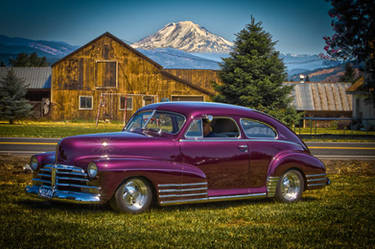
column 336, row 126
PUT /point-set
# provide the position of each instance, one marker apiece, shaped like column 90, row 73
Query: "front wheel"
column 290, row 186
column 133, row 196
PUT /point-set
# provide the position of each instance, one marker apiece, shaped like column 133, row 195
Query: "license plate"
column 46, row 192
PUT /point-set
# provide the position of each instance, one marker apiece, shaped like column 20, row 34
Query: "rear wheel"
column 290, row 186
column 133, row 196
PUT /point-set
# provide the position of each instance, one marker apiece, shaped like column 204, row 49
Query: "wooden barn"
column 108, row 79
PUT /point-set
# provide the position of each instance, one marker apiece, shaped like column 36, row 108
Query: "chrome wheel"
column 290, row 187
column 133, row 196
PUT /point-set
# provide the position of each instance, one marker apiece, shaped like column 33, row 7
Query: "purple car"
column 180, row 152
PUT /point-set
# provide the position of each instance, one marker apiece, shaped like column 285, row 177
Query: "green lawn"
column 55, row 129
column 341, row 215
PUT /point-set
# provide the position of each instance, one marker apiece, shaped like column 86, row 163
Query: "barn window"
column 128, row 101
column 187, row 98
column 85, row 102
column 106, row 74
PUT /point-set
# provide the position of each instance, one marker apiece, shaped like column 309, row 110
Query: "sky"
column 297, row 25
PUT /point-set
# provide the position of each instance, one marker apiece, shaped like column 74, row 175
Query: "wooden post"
column 99, row 107
column 125, row 108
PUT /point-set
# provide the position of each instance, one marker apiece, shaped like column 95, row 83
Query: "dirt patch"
column 352, row 167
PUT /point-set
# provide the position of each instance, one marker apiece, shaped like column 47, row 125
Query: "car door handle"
column 243, row 147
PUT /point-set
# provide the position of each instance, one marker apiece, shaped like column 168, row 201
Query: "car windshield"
column 156, row 121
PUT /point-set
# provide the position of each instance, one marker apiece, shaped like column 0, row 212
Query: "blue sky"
column 297, row 25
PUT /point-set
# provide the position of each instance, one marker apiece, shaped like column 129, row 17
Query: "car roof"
column 194, row 107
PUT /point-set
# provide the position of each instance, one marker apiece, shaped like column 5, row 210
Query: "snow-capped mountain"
column 186, row 36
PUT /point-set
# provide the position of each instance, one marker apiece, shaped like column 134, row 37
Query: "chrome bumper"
column 64, row 183
column 66, row 196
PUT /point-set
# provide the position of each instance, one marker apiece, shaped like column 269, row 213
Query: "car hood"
column 79, row 150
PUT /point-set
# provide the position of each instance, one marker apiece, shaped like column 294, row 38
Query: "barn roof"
column 321, row 96
column 357, row 85
column 116, row 39
column 34, row 77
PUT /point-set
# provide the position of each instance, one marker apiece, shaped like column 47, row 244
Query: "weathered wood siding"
column 199, row 77
column 91, row 71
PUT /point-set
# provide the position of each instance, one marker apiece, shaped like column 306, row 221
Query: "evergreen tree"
column 349, row 75
column 307, row 79
column 354, row 38
column 26, row 60
column 253, row 74
column 2, row 64
column 13, row 104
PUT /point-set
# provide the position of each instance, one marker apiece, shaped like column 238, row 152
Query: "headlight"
column 34, row 163
column 92, row 170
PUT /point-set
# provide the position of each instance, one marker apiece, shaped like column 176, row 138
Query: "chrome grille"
column 65, row 178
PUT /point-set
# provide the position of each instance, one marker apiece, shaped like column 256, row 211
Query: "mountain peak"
column 187, row 36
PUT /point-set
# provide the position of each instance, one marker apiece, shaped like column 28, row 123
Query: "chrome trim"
column 308, row 176
column 181, row 190
column 182, row 184
column 41, row 180
column 271, row 185
column 181, row 195
column 317, row 179
column 215, row 198
column 239, row 139
column 77, row 185
column 72, row 178
column 236, row 196
column 67, row 196
column 40, row 174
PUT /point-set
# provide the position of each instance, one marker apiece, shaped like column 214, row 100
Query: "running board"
column 214, row 198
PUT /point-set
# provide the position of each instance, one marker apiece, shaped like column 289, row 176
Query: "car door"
column 223, row 157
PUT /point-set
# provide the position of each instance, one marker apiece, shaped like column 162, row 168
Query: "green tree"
column 28, row 60
column 307, row 79
column 13, row 105
column 349, row 75
column 354, row 40
column 253, row 74
column 2, row 64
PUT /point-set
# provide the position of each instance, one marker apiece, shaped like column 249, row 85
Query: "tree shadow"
column 62, row 206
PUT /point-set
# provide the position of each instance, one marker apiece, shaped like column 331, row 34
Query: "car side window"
column 195, row 129
column 253, row 128
column 223, row 127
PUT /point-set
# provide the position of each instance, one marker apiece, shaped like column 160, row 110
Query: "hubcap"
column 135, row 194
column 290, row 186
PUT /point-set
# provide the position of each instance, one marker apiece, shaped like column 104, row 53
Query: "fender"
column 113, row 171
column 305, row 162
column 45, row 158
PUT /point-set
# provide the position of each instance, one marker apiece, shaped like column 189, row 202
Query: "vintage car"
column 180, row 152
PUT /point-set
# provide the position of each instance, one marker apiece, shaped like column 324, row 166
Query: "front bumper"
column 66, row 196
column 64, row 183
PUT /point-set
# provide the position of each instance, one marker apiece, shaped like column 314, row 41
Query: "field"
column 49, row 129
column 341, row 215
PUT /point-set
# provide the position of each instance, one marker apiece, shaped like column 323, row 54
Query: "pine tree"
column 13, row 105
column 28, row 60
column 349, row 75
column 253, row 74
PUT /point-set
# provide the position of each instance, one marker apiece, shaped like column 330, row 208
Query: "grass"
column 331, row 131
column 49, row 129
column 55, row 129
column 341, row 215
